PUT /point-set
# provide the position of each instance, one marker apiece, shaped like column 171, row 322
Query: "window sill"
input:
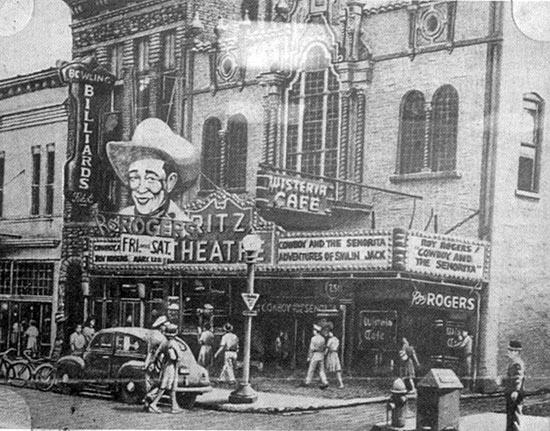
column 419, row 176
column 528, row 195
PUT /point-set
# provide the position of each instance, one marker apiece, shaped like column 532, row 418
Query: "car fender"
column 131, row 368
column 72, row 361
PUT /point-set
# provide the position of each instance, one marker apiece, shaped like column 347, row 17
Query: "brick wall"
column 520, row 267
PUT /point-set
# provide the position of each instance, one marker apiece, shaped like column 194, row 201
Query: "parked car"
column 115, row 360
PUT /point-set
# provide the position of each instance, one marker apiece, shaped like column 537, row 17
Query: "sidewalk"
column 14, row 411
column 270, row 402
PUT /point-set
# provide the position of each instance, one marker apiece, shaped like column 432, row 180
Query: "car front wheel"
column 132, row 390
column 187, row 401
column 68, row 380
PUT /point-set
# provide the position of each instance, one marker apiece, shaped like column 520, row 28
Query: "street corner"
column 14, row 411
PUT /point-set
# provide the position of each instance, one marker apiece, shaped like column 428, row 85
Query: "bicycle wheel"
column 19, row 373
column 44, row 377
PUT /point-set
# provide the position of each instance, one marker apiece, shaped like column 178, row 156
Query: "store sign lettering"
column 367, row 250
column 441, row 301
column 90, row 89
column 142, row 245
column 116, row 224
column 445, row 256
column 292, row 193
column 296, row 308
column 223, row 223
column 377, row 328
column 108, row 251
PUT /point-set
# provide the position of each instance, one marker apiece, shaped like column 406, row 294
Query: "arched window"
column 412, row 134
column 237, row 142
column 211, row 153
column 444, row 129
column 313, row 108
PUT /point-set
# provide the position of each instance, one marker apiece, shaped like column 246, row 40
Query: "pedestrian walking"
column 89, row 330
column 77, row 341
column 169, row 375
column 282, row 344
column 154, row 362
column 332, row 360
column 206, row 341
column 32, row 338
column 407, row 363
column 316, row 358
column 513, row 384
column 230, row 346
column 465, row 348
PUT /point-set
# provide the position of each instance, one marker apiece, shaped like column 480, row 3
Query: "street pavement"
column 23, row 408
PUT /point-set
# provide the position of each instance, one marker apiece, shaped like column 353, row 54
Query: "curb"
column 325, row 403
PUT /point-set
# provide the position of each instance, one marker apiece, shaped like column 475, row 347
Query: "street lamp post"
column 244, row 394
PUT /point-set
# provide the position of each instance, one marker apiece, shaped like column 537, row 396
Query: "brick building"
column 369, row 142
column 33, row 140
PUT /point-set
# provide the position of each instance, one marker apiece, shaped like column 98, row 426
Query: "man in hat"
column 156, row 165
column 230, row 346
column 513, row 387
column 316, row 357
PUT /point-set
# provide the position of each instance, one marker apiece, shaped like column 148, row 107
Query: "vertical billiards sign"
column 89, row 93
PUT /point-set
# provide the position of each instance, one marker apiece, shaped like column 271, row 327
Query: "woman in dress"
column 32, row 338
column 332, row 360
column 408, row 361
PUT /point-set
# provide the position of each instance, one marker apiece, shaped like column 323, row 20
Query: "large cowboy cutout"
column 157, row 165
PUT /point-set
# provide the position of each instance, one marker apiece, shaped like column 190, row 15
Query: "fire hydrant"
column 397, row 403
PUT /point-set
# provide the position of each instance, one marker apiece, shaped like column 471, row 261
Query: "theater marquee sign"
column 365, row 250
column 444, row 256
column 212, row 234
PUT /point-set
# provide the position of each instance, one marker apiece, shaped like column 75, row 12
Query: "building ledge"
column 419, row 176
column 29, row 242
column 528, row 195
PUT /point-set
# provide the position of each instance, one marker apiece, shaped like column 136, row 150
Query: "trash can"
column 438, row 401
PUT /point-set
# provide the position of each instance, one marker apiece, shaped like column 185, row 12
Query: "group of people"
column 229, row 346
column 82, row 336
column 323, row 355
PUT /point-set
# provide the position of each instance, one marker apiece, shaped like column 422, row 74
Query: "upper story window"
column 169, row 50
column 444, row 129
column 50, row 177
column 428, row 132
column 142, row 55
column 313, row 108
column 116, row 59
column 35, row 185
column 250, row 7
column 413, row 132
column 530, row 143
column 237, row 143
column 167, row 111
column 211, row 154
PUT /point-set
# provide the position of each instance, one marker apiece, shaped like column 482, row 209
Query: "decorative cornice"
column 33, row 117
column 29, row 242
column 21, row 84
column 86, row 35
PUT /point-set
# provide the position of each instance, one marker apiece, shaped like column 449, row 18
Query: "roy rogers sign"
column 284, row 192
column 443, row 301
column 89, row 92
column 212, row 233
column 446, row 256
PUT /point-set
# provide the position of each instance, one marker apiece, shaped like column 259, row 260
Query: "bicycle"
column 7, row 357
column 39, row 371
